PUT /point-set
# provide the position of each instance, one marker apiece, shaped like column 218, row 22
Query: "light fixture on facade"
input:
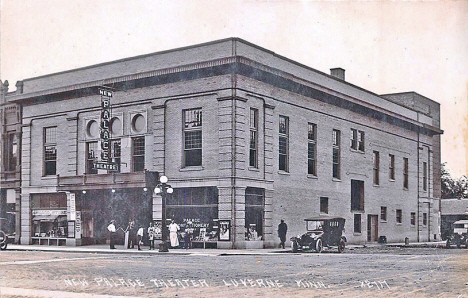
column 145, row 189
column 84, row 192
column 113, row 190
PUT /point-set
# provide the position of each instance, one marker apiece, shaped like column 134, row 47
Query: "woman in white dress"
column 173, row 229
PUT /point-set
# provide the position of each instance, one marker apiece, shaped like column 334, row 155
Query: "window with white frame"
column 383, row 213
column 425, row 176
column 253, row 153
column 138, row 154
column 376, row 162
column 116, row 153
column 399, row 216
column 91, row 157
column 357, row 139
column 284, row 143
column 405, row 173
column 192, row 132
column 391, row 167
column 336, row 153
column 50, row 151
column 312, row 149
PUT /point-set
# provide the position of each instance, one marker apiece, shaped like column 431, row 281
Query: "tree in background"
column 453, row 188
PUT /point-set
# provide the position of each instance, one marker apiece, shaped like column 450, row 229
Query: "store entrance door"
column 372, row 228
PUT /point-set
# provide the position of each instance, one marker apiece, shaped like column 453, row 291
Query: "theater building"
column 246, row 138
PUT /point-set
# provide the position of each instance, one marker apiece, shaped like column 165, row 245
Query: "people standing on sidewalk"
column 188, row 238
column 282, row 230
column 131, row 234
column 140, row 236
column 173, row 229
column 151, row 232
column 112, row 230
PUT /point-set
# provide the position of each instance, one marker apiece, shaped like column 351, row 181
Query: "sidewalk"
column 198, row 251
column 145, row 250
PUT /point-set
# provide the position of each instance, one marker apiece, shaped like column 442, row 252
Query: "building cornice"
column 235, row 65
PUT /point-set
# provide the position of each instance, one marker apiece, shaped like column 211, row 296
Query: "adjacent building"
column 452, row 210
column 10, row 159
column 246, row 138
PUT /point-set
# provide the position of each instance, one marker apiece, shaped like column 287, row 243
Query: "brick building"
column 246, row 138
column 10, row 126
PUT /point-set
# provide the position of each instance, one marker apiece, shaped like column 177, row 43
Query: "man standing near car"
column 282, row 230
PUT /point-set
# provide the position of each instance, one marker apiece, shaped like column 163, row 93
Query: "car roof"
column 323, row 217
column 463, row 221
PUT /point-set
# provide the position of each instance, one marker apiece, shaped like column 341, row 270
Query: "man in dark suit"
column 282, row 230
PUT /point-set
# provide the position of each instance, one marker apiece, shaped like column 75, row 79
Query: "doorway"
column 372, row 228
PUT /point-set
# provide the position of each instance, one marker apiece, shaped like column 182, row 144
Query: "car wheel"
column 341, row 246
column 3, row 240
column 447, row 244
column 294, row 246
column 318, row 245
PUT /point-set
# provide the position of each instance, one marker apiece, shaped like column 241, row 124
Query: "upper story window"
column 284, row 143
column 312, row 149
column 91, row 157
column 357, row 195
column 11, row 152
column 413, row 218
column 50, row 151
column 405, row 172
column 425, row 219
column 253, row 153
column 383, row 213
column 324, row 205
column 399, row 216
column 116, row 152
column 192, row 132
column 336, row 154
column 357, row 139
column 138, row 154
column 391, row 167
column 425, row 176
column 376, row 167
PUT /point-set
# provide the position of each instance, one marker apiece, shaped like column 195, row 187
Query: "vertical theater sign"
column 105, row 163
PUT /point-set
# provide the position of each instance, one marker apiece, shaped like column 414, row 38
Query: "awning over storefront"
column 49, row 217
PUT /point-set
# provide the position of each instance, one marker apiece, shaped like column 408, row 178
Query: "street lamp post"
column 163, row 188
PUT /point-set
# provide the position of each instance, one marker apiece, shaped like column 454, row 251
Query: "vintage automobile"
column 3, row 240
column 322, row 231
column 459, row 235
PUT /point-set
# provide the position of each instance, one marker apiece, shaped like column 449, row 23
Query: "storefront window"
column 254, row 209
column 49, row 215
column 195, row 210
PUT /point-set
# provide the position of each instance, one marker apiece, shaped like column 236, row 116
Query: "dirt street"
column 363, row 272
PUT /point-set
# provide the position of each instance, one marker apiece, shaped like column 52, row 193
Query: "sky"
column 385, row 46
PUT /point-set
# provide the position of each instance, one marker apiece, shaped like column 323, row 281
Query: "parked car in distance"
column 322, row 231
column 459, row 235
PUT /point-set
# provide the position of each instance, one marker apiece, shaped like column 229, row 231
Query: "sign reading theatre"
column 105, row 163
